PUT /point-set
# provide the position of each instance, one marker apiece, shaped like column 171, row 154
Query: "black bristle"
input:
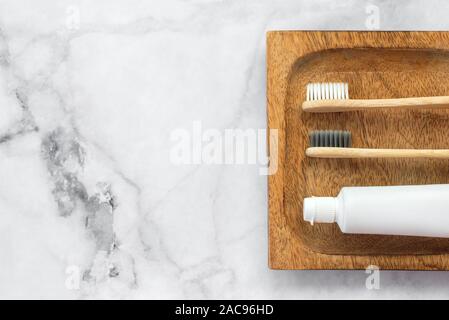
column 312, row 138
column 322, row 138
column 333, row 139
column 330, row 138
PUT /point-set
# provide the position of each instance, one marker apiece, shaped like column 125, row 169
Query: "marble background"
column 91, row 205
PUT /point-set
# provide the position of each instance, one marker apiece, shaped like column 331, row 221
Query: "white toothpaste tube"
column 421, row 210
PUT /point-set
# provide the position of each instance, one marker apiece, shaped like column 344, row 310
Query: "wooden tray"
column 376, row 65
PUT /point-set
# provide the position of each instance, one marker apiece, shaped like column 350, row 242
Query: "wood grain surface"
column 376, row 65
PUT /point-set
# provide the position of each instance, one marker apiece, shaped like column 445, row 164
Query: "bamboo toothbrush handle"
column 326, row 152
column 345, row 105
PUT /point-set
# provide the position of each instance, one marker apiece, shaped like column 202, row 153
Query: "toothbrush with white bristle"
column 334, row 97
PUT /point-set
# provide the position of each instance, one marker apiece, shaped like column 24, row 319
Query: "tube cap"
column 320, row 209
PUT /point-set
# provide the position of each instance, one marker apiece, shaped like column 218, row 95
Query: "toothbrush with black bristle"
column 334, row 97
column 338, row 144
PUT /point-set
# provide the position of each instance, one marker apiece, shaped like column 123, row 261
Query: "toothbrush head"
column 327, row 91
column 330, row 138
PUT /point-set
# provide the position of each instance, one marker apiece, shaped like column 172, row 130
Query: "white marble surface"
column 90, row 92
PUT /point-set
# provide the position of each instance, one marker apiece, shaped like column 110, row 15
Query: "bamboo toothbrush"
column 334, row 97
column 337, row 144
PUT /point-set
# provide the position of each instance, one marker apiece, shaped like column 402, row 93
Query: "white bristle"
column 327, row 91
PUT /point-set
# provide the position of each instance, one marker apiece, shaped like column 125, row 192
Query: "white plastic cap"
column 320, row 209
